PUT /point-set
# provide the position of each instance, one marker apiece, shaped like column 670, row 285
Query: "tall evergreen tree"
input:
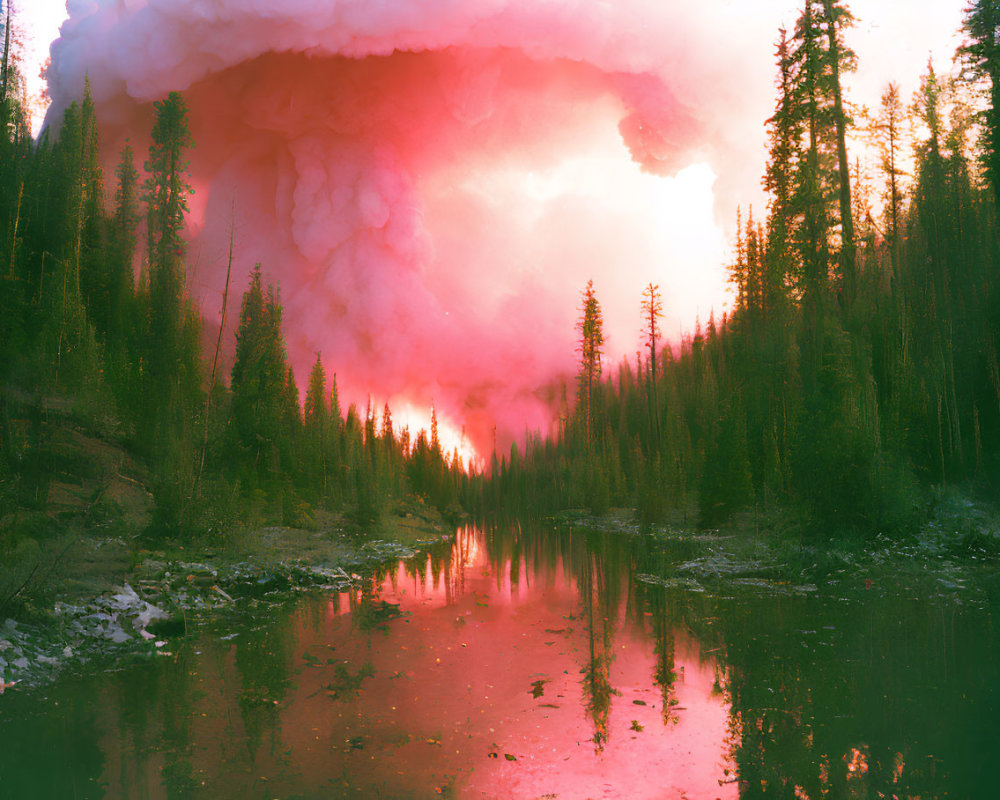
column 92, row 264
column 14, row 125
column 171, row 347
column 122, row 241
column 889, row 141
column 316, row 425
column 836, row 17
column 784, row 156
column 167, row 188
column 259, row 380
column 982, row 53
column 652, row 310
column 591, row 330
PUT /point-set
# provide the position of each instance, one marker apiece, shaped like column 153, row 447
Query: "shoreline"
column 109, row 601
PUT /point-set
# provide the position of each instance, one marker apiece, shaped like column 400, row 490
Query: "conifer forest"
column 783, row 521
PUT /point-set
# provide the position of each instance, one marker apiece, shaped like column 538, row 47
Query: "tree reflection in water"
column 520, row 661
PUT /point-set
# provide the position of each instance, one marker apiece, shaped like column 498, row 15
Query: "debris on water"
column 222, row 594
column 372, row 615
column 687, row 584
column 718, row 564
column 344, row 683
column 379, row 549
column 763, row 585
column 774, row 587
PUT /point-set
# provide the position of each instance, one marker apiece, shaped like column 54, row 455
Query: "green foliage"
column 259, row 382
column 725, row 479
column 76, row 329
column 317, row 460
column 591, row 330
column 166, row 190
column 860, row 362
column 981, row 52
column 652, row 494
column 369, row 506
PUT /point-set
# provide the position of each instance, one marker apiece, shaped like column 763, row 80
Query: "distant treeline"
column 859, row 365
column 76, row 321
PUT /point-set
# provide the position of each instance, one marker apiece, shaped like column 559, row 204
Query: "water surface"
column 528, row 663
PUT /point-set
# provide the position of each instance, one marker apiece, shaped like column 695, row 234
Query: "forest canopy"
column 858, row 367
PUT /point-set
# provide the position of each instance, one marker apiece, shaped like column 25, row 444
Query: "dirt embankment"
column 76, row 506
column 78, row 572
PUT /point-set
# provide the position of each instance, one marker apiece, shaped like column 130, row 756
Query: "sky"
column 431, row 183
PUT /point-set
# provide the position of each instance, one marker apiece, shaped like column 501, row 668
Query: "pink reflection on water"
column 451, row 707
column 476, row 691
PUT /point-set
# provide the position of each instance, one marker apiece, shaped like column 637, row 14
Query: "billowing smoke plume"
column 432, row 182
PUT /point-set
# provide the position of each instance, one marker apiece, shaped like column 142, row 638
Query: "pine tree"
column 259, row 380
column 982, row 53
column 590, row 344
column 91, row 234
column 167, row 188
column 290, row 433
column 14, row 127
column 316, row 425
column 69, row 354
column 889, row 141
column 836, row 18
column 652, row 310
column 170, row 347
column 123, row 238
column 785, row 154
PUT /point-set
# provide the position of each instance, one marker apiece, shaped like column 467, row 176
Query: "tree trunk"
column 847, row 261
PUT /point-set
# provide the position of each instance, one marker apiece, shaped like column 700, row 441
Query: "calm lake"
column 530, row 662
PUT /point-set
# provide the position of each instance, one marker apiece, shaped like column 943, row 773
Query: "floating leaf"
column 509, row 757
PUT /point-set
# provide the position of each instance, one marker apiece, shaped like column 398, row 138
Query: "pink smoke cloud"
column 432, row 183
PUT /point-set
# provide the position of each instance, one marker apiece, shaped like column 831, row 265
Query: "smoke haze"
column 431, row 183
